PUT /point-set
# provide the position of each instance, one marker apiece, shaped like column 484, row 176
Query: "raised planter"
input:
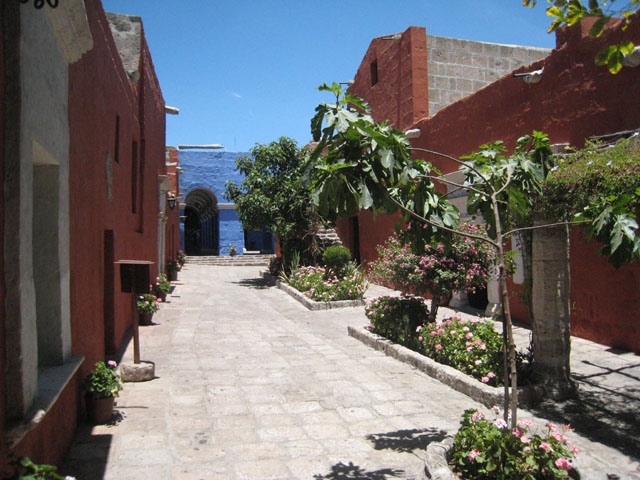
column 478, row 391
column 306, row 301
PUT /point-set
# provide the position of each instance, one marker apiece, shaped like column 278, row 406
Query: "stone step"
column 237, row 261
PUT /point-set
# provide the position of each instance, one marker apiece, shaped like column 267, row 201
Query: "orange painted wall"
column 574, row 100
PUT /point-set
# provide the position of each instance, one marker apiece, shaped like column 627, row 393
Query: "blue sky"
column 244, row 72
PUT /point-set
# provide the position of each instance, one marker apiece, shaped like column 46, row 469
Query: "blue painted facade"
column 211, row 224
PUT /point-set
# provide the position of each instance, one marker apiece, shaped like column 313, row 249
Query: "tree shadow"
column 599, row 412
column 406, row 440
column 341, row 471
column 255, row 283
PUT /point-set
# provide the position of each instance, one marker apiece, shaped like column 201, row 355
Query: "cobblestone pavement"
column 252, row 385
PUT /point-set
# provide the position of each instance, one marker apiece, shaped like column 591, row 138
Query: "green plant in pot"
column 181, row 257
column 147, row 304
column 162, row 286
column 102, row 385
column 24, row 468
column 232, row 250
column 173, row 268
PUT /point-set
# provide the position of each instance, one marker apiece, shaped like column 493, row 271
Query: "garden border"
column 304, row 300
column 486, row 395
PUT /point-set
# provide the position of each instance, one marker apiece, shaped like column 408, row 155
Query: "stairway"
column 247, row 260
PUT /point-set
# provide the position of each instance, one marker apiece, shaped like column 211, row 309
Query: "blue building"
column 210, row 224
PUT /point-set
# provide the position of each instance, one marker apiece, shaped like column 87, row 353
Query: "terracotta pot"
column 144, row 318
column 100, row 410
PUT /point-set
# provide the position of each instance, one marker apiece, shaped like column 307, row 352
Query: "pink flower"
column 473, row 454
column 552, row 425
column 491, row 375
column 574, row 450
column 525, row 440
column 111, row 363
column 525, row 422
column 563, row 464
column 477, row 416
column 517, row 432
column 485, row 380
column 557, row 436
column 453, row 332
column 420, row 339
column 433, row 333
column 546, row 446
column 469, row 335
column 438, row 347
column 419, row 328
column 478, row 362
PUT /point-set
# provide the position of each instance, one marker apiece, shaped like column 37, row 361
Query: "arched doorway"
column 201, row 229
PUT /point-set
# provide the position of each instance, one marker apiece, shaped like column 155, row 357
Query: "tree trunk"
column 551, row 308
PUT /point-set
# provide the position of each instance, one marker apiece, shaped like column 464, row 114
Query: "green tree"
column 362, row 164
column 274, row 193
column 570, row 12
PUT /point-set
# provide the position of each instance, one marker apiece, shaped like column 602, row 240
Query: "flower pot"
column 172, row 276
column 144, row 318
column 161, row 295
column 100, row 410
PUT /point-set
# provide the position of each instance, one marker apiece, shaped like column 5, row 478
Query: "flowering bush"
column 320, row 285
column 489, row 450
column 147, row 303
column 397, row 318
column 103, row 382
column 462, row 266
column 163, row 285
column 181, row 257
column 471, row 346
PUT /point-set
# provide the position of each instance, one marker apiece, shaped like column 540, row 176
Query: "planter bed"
column 478, row 391
column 306, row 301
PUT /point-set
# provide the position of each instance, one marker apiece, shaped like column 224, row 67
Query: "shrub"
column 336, row 258
column 582, row 178
column 24, row 468
column 397, row 318
column 489, row 450
column 173, row 266
column 182, row 257
column 471, row 346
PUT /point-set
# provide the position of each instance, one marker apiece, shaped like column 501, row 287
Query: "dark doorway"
column 201, row 223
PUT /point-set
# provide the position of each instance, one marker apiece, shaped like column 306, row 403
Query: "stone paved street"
column 252, row 385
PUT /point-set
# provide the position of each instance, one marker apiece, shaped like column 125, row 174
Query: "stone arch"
column 201, row 225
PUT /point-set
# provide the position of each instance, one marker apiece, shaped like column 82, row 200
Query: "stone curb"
column 307, row 302
column 436, row 465
column 484, row 394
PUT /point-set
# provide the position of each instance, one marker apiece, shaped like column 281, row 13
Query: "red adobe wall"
column 401, row 93
column 172, row 238
column 574, row 100
column 3, row 387
column 101, row 91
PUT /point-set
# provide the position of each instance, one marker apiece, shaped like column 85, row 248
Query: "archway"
column 201, row 229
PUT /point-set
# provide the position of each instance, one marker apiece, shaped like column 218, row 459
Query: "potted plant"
column 232, row 250
column 181, row 257
column 162, row 287
column 173, row 268
column 146, row 305
column 102, row 386
column 24, row 468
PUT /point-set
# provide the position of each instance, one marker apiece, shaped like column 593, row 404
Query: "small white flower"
column 609, row 163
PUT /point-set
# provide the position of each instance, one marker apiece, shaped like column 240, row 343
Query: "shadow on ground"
column 406, row 440
column 605, row 414
column 256, row 283
column 341, row 471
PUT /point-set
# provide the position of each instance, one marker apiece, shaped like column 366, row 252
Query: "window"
column 116, row 147
column 374, row 72
column 134, row 176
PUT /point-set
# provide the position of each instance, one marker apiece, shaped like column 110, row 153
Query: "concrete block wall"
column 458, row 68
